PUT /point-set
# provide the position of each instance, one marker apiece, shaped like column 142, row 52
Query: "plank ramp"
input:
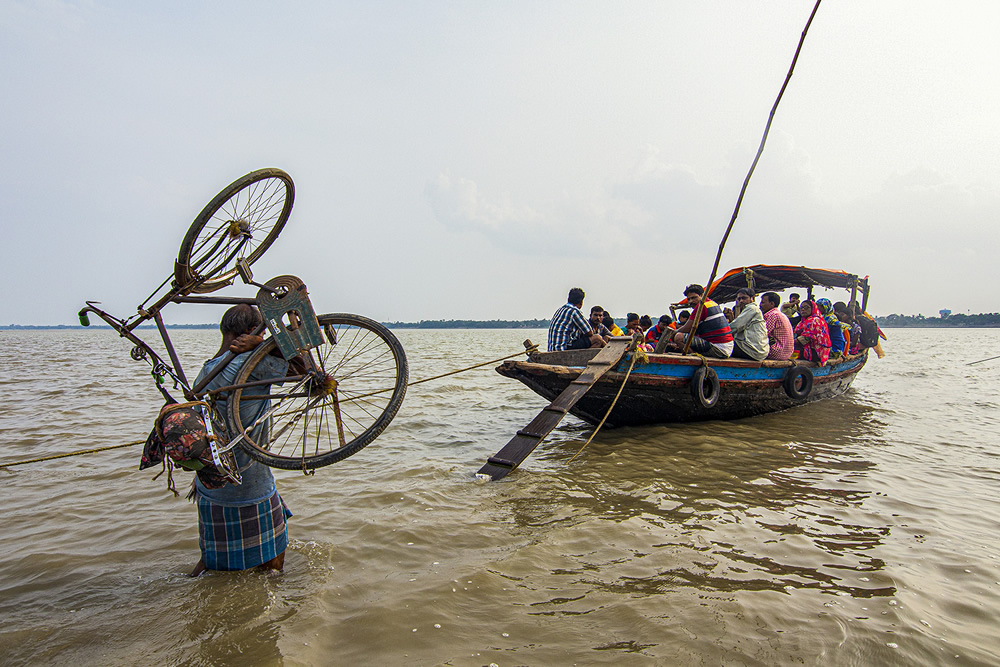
column 524, row 442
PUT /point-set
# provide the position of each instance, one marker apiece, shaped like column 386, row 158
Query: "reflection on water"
column 859, row 530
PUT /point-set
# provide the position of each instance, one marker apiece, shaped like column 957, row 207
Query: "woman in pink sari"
column 812, row 337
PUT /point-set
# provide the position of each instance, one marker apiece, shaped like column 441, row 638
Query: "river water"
column 858, row 530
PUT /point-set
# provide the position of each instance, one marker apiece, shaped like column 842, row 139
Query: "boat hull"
column 659, row 391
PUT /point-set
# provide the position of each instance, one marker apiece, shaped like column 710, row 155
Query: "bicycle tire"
column 223, row 233
column 370, row 369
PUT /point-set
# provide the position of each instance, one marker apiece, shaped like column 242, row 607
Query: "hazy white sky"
column 477, row 159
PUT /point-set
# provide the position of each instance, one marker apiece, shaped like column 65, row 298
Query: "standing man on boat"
column 713, row 337
column 569, row 329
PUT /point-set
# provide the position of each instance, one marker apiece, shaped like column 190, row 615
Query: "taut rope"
column 139, row 442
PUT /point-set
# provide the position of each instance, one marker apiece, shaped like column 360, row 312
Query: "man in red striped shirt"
column 713, row 337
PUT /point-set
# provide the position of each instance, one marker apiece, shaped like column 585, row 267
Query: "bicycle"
column 355, row 369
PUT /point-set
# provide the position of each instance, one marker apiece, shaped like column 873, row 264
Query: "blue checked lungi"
column 238, row 538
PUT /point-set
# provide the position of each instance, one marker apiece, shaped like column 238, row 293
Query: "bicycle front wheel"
column 352, row 391
column 241, row 222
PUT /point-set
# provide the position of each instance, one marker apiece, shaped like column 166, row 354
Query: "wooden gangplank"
column 521, row 445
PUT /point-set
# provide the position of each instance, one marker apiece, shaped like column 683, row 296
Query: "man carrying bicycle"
column 241, row 526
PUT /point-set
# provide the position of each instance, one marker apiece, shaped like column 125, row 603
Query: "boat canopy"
column 773, row 278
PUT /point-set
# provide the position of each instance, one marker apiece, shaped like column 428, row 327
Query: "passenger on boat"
column 791, row 308
column 682, row 317
column 748, row 328
column 853, row 332
column 870, row 332
column 713, row 337
column 569, row 329
column 812, row 337
column 609, row 322
column 241, row 526
column 632, row 324
column 597, row 323
column 780, row 335
column 665, row 325
column 834, row 326
column 645, row 322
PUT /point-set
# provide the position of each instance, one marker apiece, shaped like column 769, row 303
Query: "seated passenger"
column 791, row 308
column 609, row 322
column 748, row 328
column 853, row 333
column 597, row 323
column 632, row 323
column 682, row 317
column 780, row 335
column 713, row 337
column 812, row 337
column 653, row 336
column 834, row 326
column 569, row 329
column 645, row 322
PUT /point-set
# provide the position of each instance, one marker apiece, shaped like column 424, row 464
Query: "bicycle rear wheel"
column 309, row 421
column 241, row 222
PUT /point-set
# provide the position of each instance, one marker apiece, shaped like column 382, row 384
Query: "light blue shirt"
column 258, row 482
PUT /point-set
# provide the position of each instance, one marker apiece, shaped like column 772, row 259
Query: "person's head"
column 793, row 299
column 825, row 307
column 842, row 312
column 806, row 308
column 576, row 297
column 665, row 321
column 683, row 316
column 609, row 320
column 632, row 318
column 596, row 315
column 693, row 293
column 239, row 320
column 645, row 322
column 769, row 301
column 744, row 296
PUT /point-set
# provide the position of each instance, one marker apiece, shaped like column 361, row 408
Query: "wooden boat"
column 682, row 388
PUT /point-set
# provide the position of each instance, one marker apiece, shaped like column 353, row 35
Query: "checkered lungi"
column 238, row 538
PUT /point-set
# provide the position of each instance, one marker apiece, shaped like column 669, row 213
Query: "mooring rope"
column 529, row 350
column 82, row 451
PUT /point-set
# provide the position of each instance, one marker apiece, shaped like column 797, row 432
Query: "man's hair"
column 576, row 296
column 794, row 295
column 747, row 291
column 594, row 309
column 695, row 288
column 684, row 313
column 666, row 319
column 773, row 298
column 240, row 319
column 632, row 317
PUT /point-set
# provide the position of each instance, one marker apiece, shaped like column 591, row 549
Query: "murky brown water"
column 861, row 530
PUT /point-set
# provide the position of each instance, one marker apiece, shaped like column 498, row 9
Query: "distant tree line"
column 957, row 321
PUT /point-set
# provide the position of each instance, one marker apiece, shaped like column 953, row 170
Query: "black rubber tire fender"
column 790, row 382
column 705, row 388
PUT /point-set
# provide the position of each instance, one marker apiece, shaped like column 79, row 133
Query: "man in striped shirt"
column 713, row 337
column 569, row 329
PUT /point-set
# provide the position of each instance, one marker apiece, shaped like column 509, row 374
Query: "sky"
column 475, row 160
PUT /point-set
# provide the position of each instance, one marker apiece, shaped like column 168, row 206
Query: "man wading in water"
column 241, row 526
